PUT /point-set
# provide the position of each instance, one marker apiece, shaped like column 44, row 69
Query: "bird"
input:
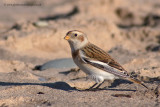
column 94, row 61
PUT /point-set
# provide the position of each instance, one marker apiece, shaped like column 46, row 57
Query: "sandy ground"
column 32, row 35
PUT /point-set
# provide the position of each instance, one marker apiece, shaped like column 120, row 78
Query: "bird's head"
column 76, row 39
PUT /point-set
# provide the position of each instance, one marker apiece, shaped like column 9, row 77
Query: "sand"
column 33, row 35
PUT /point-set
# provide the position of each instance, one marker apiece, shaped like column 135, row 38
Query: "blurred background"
column 35, row 28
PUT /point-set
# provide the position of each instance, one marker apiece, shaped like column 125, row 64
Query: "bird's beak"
column 67, row 37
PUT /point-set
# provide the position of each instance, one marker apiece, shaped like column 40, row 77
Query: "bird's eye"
column 75, row 34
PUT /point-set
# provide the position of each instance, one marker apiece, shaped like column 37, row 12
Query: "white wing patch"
column 99, row 62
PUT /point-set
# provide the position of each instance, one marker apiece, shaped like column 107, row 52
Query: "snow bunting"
column 94, row 61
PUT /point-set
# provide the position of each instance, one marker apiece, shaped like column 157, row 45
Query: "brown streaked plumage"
column 75, row 54
column 94, row 61
column 96, row 53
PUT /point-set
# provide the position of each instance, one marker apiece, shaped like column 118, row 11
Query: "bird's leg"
column 93, row 86
column 99, row 85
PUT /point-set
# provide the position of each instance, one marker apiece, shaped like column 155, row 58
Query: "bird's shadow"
column 57, row 85
column 118, row 82
column 113, row 86
column 66, row 87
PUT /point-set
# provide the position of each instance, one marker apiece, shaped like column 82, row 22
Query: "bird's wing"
column 98, row 58
column 95, row 56
column 112, row 70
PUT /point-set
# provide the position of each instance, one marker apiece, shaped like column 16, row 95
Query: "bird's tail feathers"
column 138, row 82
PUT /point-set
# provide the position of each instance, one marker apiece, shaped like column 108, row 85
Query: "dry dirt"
column 32, row 35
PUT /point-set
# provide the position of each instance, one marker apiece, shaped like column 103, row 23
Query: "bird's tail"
column 138, row 82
